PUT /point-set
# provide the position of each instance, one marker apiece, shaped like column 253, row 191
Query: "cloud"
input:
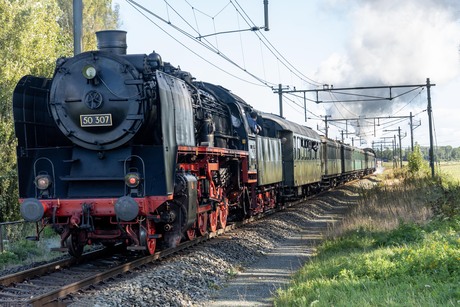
column 405, row 41
column 394, row 42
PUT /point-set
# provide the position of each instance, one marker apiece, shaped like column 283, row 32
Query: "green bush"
column 445, row 199
column 8, row 257
column 416, row 164
column 25, row 249
column 406, row 233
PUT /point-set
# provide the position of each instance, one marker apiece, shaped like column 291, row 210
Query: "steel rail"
column 50, row 297
column 7, row 280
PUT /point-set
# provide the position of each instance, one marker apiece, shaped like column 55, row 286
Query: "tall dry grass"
column 385, row 201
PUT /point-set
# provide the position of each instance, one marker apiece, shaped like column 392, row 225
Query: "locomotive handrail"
column 221, row 135
column 209, row 150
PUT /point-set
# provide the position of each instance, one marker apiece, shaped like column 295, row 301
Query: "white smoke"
column 393, row 42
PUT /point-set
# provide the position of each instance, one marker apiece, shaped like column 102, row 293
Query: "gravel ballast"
column 240, row 268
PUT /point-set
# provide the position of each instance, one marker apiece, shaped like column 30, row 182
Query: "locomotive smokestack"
column 113, row 41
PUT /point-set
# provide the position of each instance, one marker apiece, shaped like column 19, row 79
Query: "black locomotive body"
column 120, row 148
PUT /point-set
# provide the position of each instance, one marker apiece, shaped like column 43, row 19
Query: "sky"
column 341, row 43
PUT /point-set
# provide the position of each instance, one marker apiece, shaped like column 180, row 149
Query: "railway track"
column 42, row 285
column 46, row 284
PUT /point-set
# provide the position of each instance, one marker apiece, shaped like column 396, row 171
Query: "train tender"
column 124, row 148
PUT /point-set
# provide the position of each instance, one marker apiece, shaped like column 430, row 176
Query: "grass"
column 19, row 251
column 26, row 252
column 383, row 205
column 375, row 269
column 399, row 246
column 451, row 168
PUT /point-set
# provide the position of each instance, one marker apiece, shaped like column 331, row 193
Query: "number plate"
column 96, row 120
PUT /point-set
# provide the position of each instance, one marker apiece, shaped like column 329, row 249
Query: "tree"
column 97, row 15
column 28, row 45
column 456, row 154
column 387, row 154
column 33, row 34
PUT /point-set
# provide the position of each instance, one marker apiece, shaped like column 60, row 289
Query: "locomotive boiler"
column 125, row 148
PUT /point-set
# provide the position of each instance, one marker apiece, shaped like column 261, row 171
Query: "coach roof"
column 290, row 126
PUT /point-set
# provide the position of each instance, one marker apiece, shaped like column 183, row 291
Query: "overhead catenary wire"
column 301, row 107
column 141, row 9
column 252, row 26
column 207, row 45
column 410, row 101
column 278, row 54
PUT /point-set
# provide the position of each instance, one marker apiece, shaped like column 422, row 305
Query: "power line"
column 410, row 101
column 278, row 54
column 252, row 27
column 139, row 7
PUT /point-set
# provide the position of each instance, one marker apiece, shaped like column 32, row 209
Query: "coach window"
column 307, row 142
column 303, row 150
column 299, row 147
column 302, row 141
column 307, row 154
column 315, row 147
column 295, row 148
column 308, row 149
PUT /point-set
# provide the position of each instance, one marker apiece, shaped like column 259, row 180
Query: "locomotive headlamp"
column 132, row 180
column 89, row 72
column 42, row 182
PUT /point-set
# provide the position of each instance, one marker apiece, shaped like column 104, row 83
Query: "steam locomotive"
column 125, row 148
